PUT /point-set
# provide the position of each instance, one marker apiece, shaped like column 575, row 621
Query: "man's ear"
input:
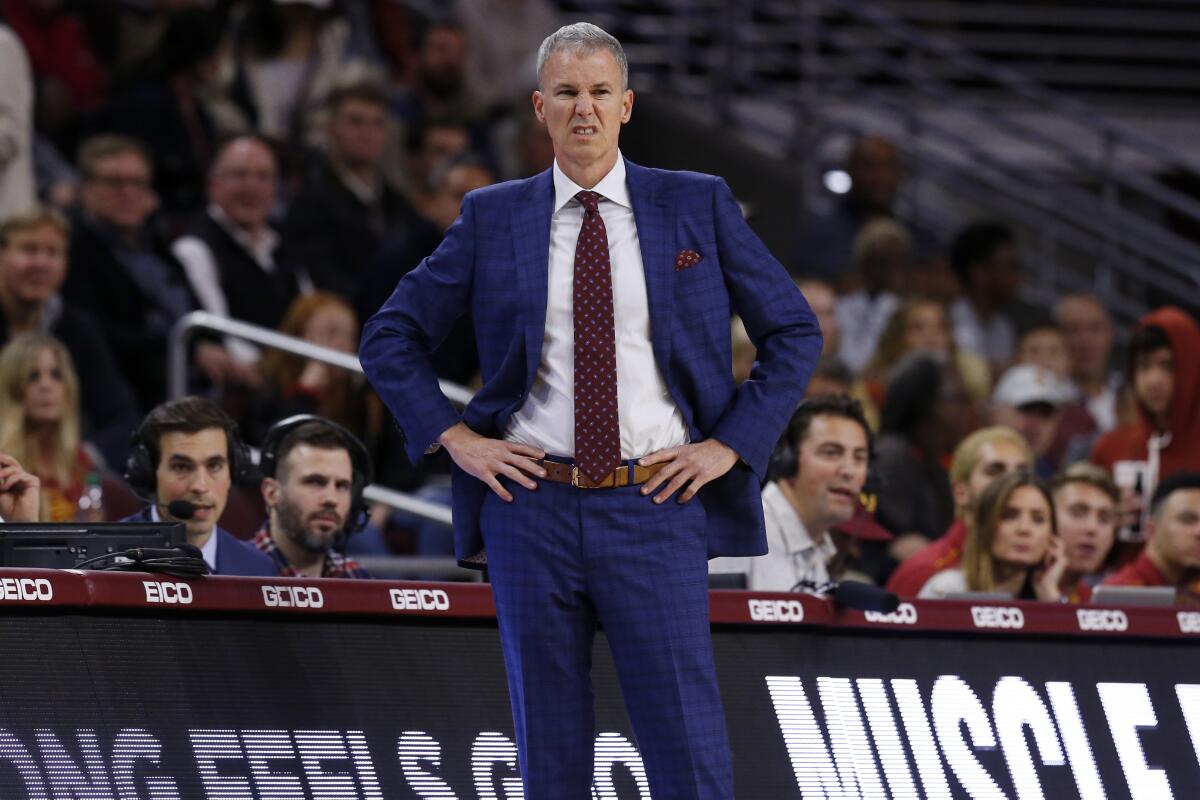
column 537, row 106
column 270, row 491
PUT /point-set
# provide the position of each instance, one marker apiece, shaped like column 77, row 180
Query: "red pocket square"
column 687, row 259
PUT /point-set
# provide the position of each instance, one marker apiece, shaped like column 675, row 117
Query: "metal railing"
column 1084, row 188
column 177, row 381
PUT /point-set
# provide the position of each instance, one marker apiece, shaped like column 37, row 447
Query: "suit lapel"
column 654, row 227
column 530, row 220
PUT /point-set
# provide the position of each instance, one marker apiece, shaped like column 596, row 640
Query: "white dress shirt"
column 792, row 555
column 649, row 418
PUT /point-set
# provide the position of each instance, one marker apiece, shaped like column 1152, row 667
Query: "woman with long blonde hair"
column 39, row 421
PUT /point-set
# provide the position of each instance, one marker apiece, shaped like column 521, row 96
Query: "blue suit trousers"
column 562, row 559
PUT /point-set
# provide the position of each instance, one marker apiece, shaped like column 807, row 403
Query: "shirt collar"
column 611, row 187
column 209, row 550
column 795, row 534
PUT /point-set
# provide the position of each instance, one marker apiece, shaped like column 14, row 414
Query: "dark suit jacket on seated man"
column 601, row 294
column 188, row 449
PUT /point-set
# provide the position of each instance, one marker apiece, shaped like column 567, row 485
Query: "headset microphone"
column 181, row 509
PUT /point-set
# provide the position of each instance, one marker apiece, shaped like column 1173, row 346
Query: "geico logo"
column 26, row 589
column 293, row 597
column 1091, row 619
column 1189, row 621
column 776, row 611
column 905, row 614
column 173, row 593
column 997, row 617
column 420, row 600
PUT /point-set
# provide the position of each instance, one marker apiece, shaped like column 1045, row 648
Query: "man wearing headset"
column 313, row 475
column 182, row 461
column 815, row 477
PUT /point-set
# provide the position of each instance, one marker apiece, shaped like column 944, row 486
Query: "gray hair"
column 582, row 38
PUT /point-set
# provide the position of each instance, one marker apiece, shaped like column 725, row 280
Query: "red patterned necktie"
column 597, row 426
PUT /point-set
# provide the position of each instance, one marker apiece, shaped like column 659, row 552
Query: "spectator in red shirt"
column 1164, row 371
column 979, row 460
column 1171, row 556
column 1085, row 505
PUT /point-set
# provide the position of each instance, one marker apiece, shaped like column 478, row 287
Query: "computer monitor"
column 1133, row 595
column 62, row 545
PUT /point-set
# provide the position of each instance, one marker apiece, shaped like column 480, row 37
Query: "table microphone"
column 864, row 597
column 853, row 594
column 178, row 551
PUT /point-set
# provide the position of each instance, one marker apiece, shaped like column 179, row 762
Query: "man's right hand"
column 488, row 459
column 19, row 491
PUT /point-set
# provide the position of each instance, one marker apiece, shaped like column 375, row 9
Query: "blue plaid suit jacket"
column 494, row 262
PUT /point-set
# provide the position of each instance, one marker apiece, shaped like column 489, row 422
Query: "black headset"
column 360, row 461
column 140, row 469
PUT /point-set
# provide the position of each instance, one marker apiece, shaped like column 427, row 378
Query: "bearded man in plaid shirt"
column 312, row 499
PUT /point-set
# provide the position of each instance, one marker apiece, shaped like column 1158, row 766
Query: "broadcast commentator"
column 608, row 454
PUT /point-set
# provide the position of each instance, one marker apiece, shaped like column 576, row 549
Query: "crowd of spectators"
column 1022, row 451
column 278, row 162
column 286, row 162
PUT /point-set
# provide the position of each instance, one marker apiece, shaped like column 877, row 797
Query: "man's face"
column 997, row 458
column 1154, row 380
column 441, row 61
column 1175, row 533
column 999, row 276
column 1037, row 422
column 243, row 182
column 1087, row 524
column 458, row 181
column 1046, row 348
column 583, row 103
column 1088, row 333
column 194, row 467
column 1024, row 531
column 358, row 132
column 440, row 144
column 33, row 264
column 119, row 192
column 833, row 467
column 312, row 501
column 875, row 173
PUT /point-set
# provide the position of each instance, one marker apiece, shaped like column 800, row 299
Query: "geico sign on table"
column 1101, row 619
column 292, row 597
column 997, row 617
column 36, row 589
column 776, row 611
column 1189, row 621
column 905, row 614
column 166, row 592
column 420, row 600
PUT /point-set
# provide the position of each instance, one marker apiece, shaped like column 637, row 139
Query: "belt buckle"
column 575, row 480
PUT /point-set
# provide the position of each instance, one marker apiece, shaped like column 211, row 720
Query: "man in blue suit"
column 601, row 294
column 189, row 450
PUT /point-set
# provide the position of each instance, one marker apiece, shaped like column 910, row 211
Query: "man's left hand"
column 698, row 463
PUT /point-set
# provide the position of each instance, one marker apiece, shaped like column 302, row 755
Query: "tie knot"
column 589, row 200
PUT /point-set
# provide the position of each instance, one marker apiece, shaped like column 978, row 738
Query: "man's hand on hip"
column 698, row 463
column 488, row 459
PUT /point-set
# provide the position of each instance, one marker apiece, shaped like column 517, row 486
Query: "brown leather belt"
column 569, row 473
